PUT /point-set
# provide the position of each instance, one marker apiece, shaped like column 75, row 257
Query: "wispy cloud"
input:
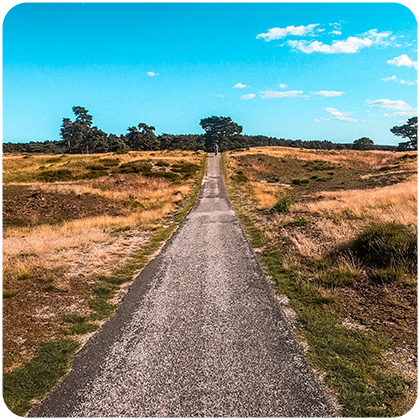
column 248, row 97
column 152, row 74
column 282, row 86
column 400, row 107
column 402, row 81
column 351, row 45
column 403, row 61
column 341, row 116
column 278, row 33
column 272, row 94
column 240, row 86
column 334, row 32
column 328, row 93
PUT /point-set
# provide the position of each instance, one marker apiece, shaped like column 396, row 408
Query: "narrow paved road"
column 199, row 334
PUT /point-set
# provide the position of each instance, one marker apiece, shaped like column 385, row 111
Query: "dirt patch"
column 28, row 206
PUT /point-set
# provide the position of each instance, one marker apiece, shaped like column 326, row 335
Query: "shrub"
column 185, row 168
column 95, row 174
column 240, row 178
column 169, row 175
column 387, row 245
column 108, row 162
column 301, row 221
column 283, row 205
column 162, row 163
column 135, row 167
column 320, row 165
column 300, row 181
column 53, row 176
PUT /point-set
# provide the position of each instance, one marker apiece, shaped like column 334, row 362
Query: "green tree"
column 116, row 143
column 75, row 134
column 142, row 137
column 364, row 143
column 407, row 131
column 221, row 130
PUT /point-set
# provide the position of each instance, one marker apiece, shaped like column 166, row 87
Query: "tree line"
column 79, row 136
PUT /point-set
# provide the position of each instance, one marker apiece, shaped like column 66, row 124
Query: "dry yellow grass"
column 372, row 158
column 266, row 195
column 395, row 203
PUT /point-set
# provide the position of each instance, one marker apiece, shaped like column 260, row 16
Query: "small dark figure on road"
column 216, row 149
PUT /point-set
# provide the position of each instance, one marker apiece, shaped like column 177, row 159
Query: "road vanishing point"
column 199, row 334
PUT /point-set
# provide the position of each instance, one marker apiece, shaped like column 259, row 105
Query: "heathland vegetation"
column 77, row 229
column 337, row 233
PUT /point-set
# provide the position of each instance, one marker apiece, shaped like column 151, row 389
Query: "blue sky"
column 330, row 71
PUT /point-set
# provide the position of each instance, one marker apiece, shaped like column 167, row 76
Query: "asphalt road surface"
column 199, row 333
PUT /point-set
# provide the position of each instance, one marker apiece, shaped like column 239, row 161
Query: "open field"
column 76, row 230
column 336, row 231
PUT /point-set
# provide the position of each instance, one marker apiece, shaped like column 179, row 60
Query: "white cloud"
column 403, row 60
column 329, row 93
column 400, row 108
column 352, row 44
column 278, row 33
column 247, row 97
column 282, row 86
column 341, row 116
column 271, row 94
column 390, row 104
column 388, row 79
column 152, row 74
column 240, row 86
column 402, row 81
column 335, row 32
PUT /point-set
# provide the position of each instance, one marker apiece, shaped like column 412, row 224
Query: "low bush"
column 163, row 174
column 240, row 178
column 300, row 181
column 301, row 221
column 54, row 176
column 108, row 162
column 187, row 169
column 283, row 205
column 319, row 165
column 135, row 167
column 387, row 245
column 162, row 163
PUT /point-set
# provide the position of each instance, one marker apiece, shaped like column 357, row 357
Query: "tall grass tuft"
column 387, row 245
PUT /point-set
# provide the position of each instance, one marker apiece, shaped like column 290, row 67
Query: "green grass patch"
column 79, row 324
column 337, row 276
column 38, row 377
column 389, row 275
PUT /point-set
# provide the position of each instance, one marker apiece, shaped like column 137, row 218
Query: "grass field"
column 337, row 232
column 76, row 231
